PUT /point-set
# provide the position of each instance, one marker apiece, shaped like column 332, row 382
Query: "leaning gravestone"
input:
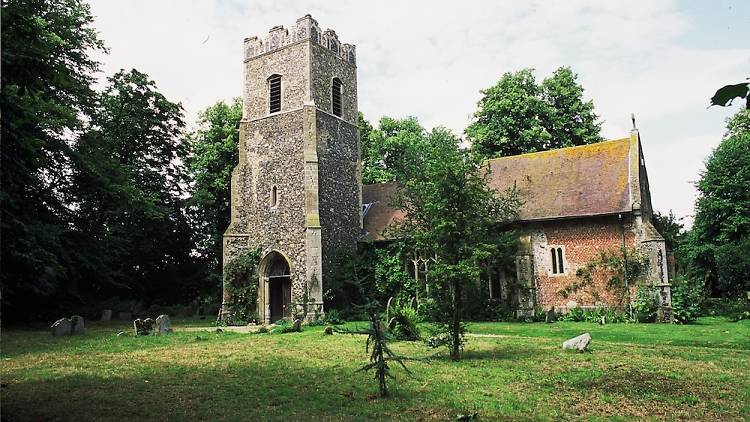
column 107, row 315
column 579, row 343
column 77, row 325
column 163, row 325
column 297, row 325
column 140, row 328
column 61, row 327
column 149, row 324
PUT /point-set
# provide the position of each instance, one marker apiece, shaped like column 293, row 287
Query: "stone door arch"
column 276, row 285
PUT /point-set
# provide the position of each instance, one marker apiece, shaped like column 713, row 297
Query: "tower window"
column 558, row 261
column 336, row 89
column 274, row 93
column 274, row 196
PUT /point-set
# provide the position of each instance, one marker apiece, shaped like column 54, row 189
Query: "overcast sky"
column 658, row 59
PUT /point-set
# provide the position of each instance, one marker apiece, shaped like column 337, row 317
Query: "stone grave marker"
column 61, row 327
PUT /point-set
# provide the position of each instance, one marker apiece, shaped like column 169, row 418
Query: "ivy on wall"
column 241, row 283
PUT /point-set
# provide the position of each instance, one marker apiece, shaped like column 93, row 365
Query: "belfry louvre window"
column 558, row 263
column 274, row 93
column 336, row 89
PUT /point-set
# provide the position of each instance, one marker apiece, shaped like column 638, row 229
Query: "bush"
column 333, row 317
column 732, row 309
column 284, row 326
column 403, row 323
column 240, row 277
column 646, row 304
column 611, row 315
column 687, row 297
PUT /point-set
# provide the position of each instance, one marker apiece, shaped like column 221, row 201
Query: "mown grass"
column 509, row 372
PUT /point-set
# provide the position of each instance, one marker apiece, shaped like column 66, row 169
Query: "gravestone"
column 141, row 328
column 579, row 343
column 550, row 316
column 149, row 324
column 163, row 325
column 61, row 327
column 297, row 326
column 77, row 325
column 107, row 315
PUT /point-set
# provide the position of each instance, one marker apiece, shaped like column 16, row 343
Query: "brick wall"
column 581, row 240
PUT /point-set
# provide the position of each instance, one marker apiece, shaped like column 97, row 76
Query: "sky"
column 661, row 60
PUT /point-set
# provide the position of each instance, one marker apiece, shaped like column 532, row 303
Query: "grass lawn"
column 510, row 371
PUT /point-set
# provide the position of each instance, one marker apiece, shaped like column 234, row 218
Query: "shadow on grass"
column 252, row 389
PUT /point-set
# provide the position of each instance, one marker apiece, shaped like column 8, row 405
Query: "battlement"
column 305, row 28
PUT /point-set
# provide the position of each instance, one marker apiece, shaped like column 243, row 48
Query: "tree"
column 46, row 97
column 214, row 153
column 518, row 116
column 670, row 227
column 453, row 215
column 393, row 151
column 722, row 222
column 130, row 192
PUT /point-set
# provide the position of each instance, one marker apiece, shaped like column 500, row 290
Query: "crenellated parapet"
column 305, row 28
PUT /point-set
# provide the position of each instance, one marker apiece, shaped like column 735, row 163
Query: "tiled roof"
column 570, row 182
column 379, row 214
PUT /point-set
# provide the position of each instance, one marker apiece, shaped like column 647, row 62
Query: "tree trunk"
column 456, row 322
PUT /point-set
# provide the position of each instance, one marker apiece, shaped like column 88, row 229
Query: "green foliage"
column 670, row 227
column 614, row 264
column 517, row 115
column 284, row 326
column 241, row 284
column 595, row 315
column 46, row 98
column 732, row 309
column 214, row 153
column 646, row 304
column 725, row 95
column 717, row 246
column 381, row 354
column 453, row 215
column 403, row 322
column 687, row 296
column 333, row 317
column 393, row 151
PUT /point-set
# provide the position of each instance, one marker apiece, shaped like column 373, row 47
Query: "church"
column 297, row 192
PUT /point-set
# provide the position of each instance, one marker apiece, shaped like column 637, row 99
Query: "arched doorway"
column 278, row 276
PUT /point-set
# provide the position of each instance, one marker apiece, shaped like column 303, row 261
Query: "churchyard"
column 509, row 371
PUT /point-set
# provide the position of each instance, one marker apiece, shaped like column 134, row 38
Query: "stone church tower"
column 296, row 191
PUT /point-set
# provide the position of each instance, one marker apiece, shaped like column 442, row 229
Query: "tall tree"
column 393, row 150
column 720, row 237
column 518, row 115
column 131, row 189
column 213, row 155
column 453, row 215
column 46, row 95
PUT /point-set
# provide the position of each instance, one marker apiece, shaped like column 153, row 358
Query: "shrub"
column 687, row 296
column 333, row 317
column 404, row 322
column 732, row 309
column 240, row 279
column 611, row 315
column 284, row 326
column 646, row 304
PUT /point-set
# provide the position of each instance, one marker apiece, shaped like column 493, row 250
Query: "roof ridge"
column 551, row 151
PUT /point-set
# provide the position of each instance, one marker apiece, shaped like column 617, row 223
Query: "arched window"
column 336, row 88
column 274, row 196
column 554, row 260
column 558, row 261
column 274, row 93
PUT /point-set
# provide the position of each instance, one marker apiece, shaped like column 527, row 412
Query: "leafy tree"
column 518, row 116
column 670, row 227
column 46, row 96
column 213, row 155
column 453, row 214
column 393, row 151
column 722, row 222
column 725, row 95
column 130, row 192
